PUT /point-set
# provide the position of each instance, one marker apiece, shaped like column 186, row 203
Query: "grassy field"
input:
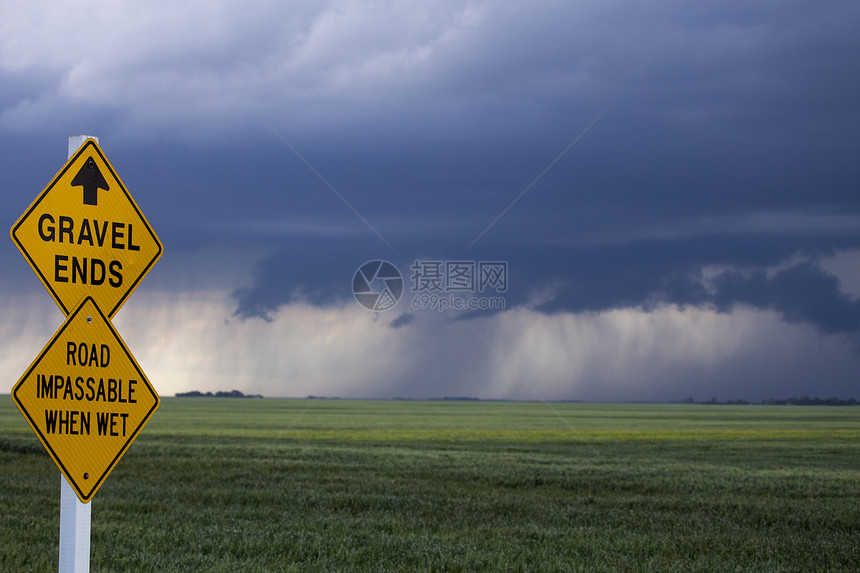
column 335, row 485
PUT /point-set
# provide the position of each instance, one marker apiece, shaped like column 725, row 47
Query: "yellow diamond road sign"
column 85, row 236
column 86, row 398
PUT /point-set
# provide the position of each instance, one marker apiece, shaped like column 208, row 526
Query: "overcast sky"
column 672, row 190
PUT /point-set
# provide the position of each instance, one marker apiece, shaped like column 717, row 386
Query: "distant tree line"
column 793, row 401
column 231, row 394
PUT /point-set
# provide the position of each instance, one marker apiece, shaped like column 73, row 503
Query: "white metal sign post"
column 74, row 530
column 75, row 515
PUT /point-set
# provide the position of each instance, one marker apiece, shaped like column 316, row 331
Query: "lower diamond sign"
column 86, row 398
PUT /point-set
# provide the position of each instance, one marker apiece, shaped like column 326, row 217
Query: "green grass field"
column 338, row 485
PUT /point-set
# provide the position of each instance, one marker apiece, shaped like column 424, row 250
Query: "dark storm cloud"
column 802, row 293
column 713, row 271
column 719, row 272
column 316, row 271
column 729, row 138
column 402, row 320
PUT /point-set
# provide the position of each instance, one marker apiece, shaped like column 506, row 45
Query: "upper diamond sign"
column 85, row 236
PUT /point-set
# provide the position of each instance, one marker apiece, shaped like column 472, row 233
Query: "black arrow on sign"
column 91, row 179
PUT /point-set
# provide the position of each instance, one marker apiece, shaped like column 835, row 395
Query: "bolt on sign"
column 86, row 398
column 85, row 236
